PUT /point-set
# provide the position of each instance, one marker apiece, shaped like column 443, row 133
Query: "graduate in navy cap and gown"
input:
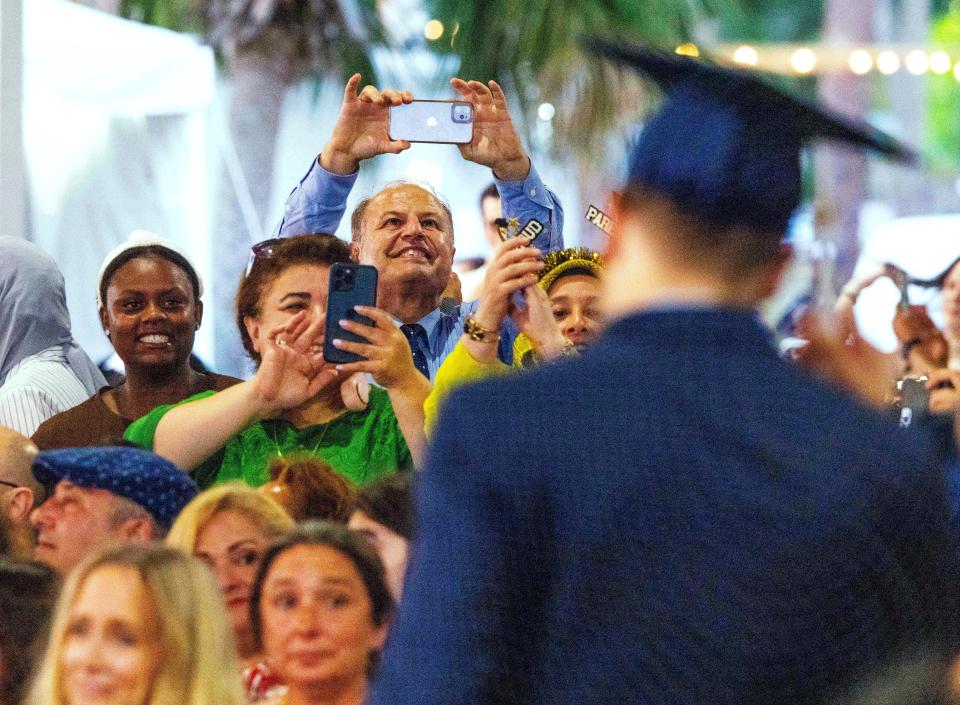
column 702, row 522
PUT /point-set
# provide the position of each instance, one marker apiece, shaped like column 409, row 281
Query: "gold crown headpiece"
column 567, row 261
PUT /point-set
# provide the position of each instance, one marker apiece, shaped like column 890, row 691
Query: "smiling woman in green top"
column 292, row 405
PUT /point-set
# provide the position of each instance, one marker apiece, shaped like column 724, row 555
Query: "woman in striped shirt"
column 42, row 369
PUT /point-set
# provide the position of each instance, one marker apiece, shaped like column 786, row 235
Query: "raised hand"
column 838, row 353
column 538, row 324
column 495, row 143
column 389, row 358
column 914, row 325
column 390, row 361
column 291, row 368
column 363, row 127
column 514, row 266
column 944, row 386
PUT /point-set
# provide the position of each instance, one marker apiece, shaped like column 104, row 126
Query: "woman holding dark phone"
column 293, row 404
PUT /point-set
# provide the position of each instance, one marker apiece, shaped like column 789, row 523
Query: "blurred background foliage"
column 942, row 138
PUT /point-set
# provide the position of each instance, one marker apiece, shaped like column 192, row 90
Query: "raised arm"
column 497, row 144
column 361, row 132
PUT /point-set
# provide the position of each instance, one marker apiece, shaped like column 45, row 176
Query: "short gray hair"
column 356, row 219
column 126, row 509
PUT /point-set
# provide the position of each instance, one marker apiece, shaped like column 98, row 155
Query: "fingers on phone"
column 391, row 97
column 499, row 97
column 396, row 146
column 942, row 376
column 350, row 90
column 369, row 94
column 480, row 91
column 376, row 314
column 362, row 349
column 357, row 328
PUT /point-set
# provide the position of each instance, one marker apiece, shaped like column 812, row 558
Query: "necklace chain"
column 316, row 447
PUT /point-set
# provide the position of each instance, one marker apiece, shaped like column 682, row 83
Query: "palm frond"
column 304, row 37
column 532, row 46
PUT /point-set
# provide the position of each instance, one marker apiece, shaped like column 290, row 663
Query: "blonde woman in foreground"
column 139, row 625
column 228, row 527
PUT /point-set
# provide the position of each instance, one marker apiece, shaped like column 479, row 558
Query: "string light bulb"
column 803, row 60
column 940, row 62
column 917, row 62
column 746, row 55
column 888, row 62
column 688, row 49
column 433, row 30
column 861, row 62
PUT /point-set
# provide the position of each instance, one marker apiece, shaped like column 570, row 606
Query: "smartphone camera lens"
column 462, row 112
column 343, row 279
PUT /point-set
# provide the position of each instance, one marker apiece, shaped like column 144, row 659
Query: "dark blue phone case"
column 350, row 285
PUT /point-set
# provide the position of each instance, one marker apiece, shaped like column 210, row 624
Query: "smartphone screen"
column 438, row 121
column 914, row 400
column 350, row 285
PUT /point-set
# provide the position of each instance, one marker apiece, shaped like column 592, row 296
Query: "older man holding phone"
column 406, row 230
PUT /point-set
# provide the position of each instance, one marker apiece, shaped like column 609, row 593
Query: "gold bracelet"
column 478, row 333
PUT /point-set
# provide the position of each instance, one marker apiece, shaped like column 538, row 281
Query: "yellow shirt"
column 458, row 369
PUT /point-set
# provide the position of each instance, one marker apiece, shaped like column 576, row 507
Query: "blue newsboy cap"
column 143, row 477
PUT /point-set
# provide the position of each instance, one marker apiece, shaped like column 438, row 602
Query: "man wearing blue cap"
column 704, row 523
column 104, row 495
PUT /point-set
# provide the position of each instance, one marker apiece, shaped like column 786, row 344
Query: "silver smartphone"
column 438, row 121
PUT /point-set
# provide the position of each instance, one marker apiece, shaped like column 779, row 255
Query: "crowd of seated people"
column 192, row 538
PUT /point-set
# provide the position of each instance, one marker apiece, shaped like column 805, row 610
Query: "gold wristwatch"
column 478, row 332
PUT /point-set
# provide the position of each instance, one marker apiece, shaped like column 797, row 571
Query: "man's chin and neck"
column 54, row 561
column 411, row 295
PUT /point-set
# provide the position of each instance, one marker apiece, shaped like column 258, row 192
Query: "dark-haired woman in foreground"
column 320, row 609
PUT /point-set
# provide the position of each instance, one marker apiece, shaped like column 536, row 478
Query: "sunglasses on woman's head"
column 261, row 250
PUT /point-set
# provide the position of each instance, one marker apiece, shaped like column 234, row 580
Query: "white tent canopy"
column 116, row 139
column 84, row 56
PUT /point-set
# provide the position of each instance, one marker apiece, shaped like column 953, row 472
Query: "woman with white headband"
column 149, row 298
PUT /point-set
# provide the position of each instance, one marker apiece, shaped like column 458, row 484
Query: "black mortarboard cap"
column 725, row 145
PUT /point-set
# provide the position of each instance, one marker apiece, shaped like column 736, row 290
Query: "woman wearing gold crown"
column 561, row 317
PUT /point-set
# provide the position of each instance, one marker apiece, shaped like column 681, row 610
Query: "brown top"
column 92, row 423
